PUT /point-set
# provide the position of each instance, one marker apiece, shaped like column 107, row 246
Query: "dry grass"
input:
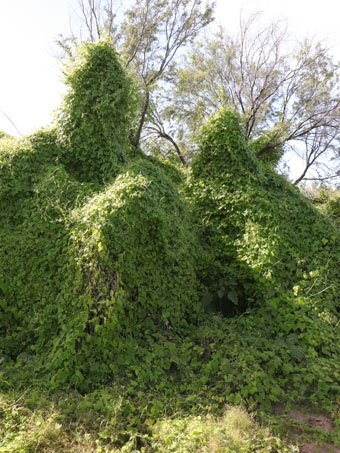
column 236, row 431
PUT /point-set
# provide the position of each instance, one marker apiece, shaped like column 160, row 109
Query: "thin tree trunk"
column 136, row 140
column 178, row 151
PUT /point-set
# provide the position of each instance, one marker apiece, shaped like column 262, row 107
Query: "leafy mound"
column 264, row 238
column 273, row 257
column 99, row 266
column 88, row 268
column 97, row 111
column 133, row 276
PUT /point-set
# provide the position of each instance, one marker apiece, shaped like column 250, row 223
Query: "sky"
column 313, row 18
column 31, row 79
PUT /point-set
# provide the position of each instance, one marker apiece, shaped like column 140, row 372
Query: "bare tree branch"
column 283, row 94
column 156, row 128
column 9, row 119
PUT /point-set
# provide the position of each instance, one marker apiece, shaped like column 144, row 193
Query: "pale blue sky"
column 30, row 76
column 305, row 17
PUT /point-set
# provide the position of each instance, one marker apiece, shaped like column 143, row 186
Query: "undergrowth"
column 69, row 422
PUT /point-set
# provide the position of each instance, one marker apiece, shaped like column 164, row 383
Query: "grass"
column 34, row 421
column 234, row 431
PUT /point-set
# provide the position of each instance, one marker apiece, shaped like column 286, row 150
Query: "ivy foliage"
column 133, row 275
column 263, row 237
column 96, row 113
column 273, row 259
column 35, row 196
column 87, row 269
column 104, row 257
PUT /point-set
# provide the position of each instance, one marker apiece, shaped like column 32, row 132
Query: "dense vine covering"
column 215, row 285
column 96, row 113
column 265, row 239
column 86, row 265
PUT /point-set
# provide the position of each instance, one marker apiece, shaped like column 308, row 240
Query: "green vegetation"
column 5, row 138
column 327, row 200
column 265, row 237
column 96, row 251
column 97, row 110
column 71, row 423
column 139, row 302
column 3, row 135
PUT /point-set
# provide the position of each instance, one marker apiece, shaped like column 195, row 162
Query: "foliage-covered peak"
column 96, row 114
column 263, row 237
column 223, row 147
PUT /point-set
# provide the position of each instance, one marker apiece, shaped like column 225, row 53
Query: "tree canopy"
column 288, row 98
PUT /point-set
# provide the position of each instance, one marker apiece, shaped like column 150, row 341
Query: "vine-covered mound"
column 96, row 247
column 96, row 114
column 83, row 267
column 274, row 259
column 264, row 238
column 99, row 258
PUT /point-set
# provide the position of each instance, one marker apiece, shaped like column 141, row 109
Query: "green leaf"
column 233, row 297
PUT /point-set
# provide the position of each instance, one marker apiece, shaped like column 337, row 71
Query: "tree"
column 148, row 38
column 288, row 99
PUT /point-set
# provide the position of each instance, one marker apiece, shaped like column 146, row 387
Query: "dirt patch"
column 305, row 447
column 314, row 421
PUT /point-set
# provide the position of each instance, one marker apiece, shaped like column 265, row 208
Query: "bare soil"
column 314, row 421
